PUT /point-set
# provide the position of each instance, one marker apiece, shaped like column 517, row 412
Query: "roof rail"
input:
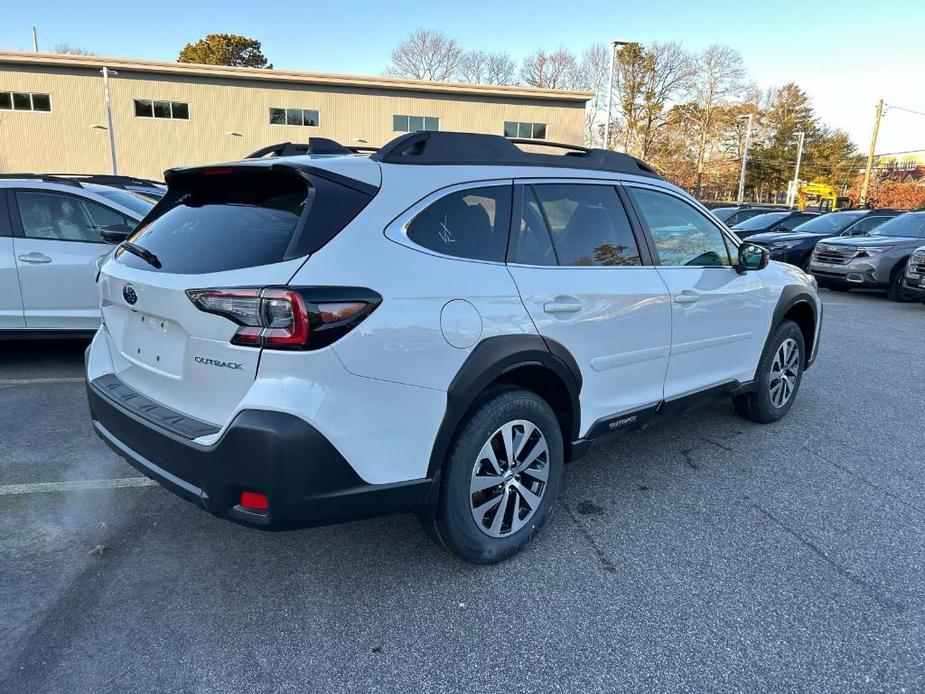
column 315, row 145
column 115, row 180
column 433, row 147
column 40, row 177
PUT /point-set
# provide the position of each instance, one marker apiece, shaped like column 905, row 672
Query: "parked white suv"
column 51, row 238
column 435, row 328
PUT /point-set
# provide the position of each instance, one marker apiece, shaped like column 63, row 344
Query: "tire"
column 765, row 403
column 469, row 466
column 896, row 291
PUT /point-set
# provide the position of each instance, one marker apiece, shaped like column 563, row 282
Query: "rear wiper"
column 142, row 253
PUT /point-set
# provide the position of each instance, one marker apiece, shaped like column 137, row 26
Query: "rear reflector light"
column 254, row 501
column 284, row 318
column 217, row 171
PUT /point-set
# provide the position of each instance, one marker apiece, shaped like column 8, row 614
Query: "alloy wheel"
column 784, row 371
column 509, row 478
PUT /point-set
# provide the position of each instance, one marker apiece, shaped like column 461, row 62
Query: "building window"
column 413, row 124
column 295, row 116
column 146, row 108
column 24, row 101
column 526, row 131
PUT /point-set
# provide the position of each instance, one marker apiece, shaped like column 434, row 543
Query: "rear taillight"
column 288, row 318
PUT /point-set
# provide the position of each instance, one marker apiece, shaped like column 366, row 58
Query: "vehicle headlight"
column 785, row 244
column 873, row 250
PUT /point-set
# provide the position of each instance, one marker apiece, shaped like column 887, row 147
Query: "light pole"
column 112, row 136
column 748, row 137
column 613, row 59
column 796, row 173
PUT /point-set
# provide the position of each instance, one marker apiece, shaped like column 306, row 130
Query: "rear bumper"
column 305, row 478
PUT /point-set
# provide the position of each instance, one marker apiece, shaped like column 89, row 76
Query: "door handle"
column 687, row 297
column 561, row 307
column 35, row 258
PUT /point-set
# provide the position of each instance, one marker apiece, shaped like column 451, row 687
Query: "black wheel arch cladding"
column 800, row 299
column 488, row 363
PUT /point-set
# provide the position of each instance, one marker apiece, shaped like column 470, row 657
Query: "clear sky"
column 845, row 54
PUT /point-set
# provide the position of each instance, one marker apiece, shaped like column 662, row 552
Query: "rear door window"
column 471, row 223
column 215, row 223
column 587, row 224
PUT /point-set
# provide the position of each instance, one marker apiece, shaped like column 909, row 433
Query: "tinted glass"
column 682, row 234
column 162, row 109
column 525, row 130
column 533, row 245
column 293, row 116
column 761, row 221
column 431, row 123
column 588, row 225
column 830, row 223
column 180, row 110
column 132, row 201
column 910, row 224
column 22, row 102
column 470, row 223
column 143, row 108
column 539, row 131
column 510, row 129
column 63, row 217
column 866, row 225
column 723, row 213
column 246, row 222
column 6, row 101
column 41, row 102
column 415, row 123
column 217, row 223
column 791, row 223
column 400, row 124
column 277, row 116
column 310, row 118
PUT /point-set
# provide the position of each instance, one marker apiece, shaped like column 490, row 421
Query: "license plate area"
column 155, row 343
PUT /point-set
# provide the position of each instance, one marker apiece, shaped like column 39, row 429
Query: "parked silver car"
column 876, row 260
column 914, row 281
column 50, row 241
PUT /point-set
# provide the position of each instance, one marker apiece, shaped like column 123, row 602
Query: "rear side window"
column 586, row 224
column 61, row 217
column 214, row 223
column 471, row 223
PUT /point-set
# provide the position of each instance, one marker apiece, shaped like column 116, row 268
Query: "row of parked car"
column 854, row 248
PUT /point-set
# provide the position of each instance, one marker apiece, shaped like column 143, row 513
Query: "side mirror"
column 116, row 233
column 751, row 257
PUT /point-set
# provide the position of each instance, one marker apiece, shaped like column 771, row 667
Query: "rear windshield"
column 214, row 223
column 761, row 221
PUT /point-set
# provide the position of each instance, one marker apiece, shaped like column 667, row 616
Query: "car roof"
column 81, row 190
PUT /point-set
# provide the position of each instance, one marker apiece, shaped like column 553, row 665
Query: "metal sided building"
column 53, row 114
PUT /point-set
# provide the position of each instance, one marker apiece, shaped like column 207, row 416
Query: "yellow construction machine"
column 828, row 197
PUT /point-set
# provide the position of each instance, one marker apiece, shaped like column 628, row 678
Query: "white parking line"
column 35, row 381
column 76, row 486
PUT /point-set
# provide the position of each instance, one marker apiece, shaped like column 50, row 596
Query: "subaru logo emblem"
column 128, row 293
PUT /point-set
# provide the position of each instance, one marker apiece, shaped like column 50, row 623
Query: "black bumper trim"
column 307, row 481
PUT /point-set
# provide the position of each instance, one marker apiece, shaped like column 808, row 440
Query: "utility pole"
column 870, row 155
column 748, row 137
column 35, row 40
column 613, row 59
column 796, row 173
column 112, row 135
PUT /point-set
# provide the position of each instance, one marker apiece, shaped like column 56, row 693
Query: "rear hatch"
column 245, row 226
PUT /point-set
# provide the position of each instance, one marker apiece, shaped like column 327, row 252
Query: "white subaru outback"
column 437, row 327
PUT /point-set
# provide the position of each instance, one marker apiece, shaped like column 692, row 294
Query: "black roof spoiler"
column 315, row 145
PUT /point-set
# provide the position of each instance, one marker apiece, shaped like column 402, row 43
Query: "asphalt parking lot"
column 703, row 554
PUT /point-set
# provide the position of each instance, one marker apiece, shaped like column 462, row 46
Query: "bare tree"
column 594, row 71
column 665, row 81
column 426, row 55
column 557, row 70
column 69, row 49
column 719, row 76
column 481, row 67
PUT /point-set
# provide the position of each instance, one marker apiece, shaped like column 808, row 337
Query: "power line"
column 903, row 108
